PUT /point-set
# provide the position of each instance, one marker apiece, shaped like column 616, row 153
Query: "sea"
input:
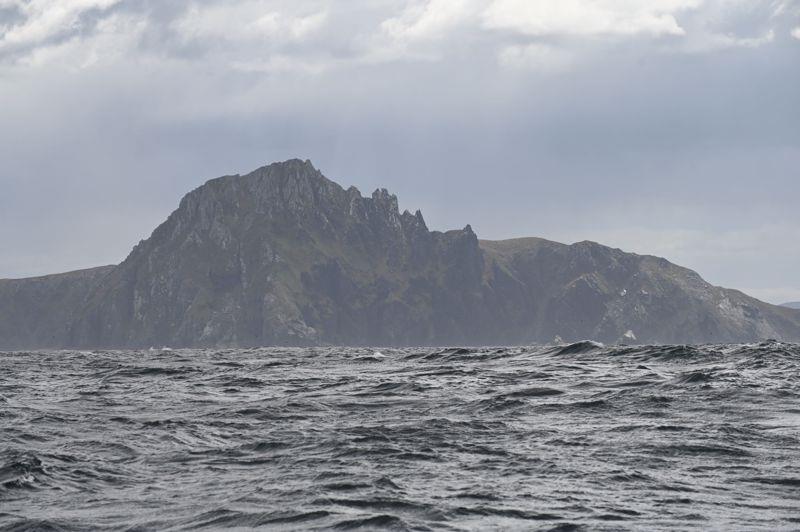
column 567, row 438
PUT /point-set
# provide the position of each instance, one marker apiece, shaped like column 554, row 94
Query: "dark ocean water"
column 560, row 438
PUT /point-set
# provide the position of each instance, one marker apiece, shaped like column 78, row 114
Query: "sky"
column 665, row 127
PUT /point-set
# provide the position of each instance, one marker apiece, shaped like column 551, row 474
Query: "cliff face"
column 38, row 312
column 591, row 291
column 284, row 256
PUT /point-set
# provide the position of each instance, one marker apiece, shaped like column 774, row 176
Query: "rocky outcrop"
column 586, row 290
column 284, row 256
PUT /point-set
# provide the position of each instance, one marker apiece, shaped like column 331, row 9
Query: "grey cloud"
column 10, row 15
column 234, row 32
column 26, row 27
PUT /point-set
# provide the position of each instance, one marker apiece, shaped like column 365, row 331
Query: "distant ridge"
column 794, row 305
column 285, row 256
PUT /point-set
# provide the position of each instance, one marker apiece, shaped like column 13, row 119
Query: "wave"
column 382, row 522
column 578, row 348
column 22, row 471
column 572, row 437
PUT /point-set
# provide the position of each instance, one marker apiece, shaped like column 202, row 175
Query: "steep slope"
column 37, row 312
column 284, row 256
column 591, row 291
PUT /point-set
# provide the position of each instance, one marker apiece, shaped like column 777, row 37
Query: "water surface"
column 549, row 438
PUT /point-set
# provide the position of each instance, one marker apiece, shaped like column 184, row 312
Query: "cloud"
column 253, row 35
column 423, row 30
column 796, row 33
column 710, row 42
column 45, row 20
column 428, row 20
column 113, row 38
column 314, row 36
column 252, row 20
column 535, row 56
column 588, row 17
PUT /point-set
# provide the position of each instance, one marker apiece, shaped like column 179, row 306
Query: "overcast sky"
column 669, row 127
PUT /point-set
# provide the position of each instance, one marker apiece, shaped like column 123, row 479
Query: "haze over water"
column 565, row 438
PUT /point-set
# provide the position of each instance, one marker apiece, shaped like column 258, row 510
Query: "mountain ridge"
column 285, row 256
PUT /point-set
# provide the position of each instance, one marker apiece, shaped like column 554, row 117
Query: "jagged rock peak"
column 386, row 201
column 381, row 194
column 294, row 186
column 276, row 175
column 293, row 173
column 291, row 168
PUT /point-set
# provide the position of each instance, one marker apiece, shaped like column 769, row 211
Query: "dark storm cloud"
column 669, row 127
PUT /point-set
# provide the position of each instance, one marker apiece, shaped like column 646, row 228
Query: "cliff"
column 284, row 256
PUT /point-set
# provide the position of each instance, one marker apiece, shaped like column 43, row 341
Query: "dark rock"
column 284, row 256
